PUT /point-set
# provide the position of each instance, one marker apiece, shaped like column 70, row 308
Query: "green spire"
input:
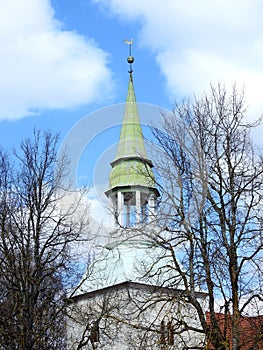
column 131, row 166
column 131, row 142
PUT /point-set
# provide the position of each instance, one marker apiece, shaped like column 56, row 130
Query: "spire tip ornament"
column 130, row 58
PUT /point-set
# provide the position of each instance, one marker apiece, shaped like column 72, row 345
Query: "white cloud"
column 200, row 42
column 100, row 211
column 42, row 65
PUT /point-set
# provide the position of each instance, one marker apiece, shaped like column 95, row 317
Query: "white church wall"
column 133, row 316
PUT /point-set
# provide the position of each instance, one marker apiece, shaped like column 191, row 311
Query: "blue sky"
column 61, row 60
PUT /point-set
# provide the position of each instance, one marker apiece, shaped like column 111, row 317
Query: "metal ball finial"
column 130, row 59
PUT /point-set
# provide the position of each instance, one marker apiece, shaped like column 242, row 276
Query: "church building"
column 130, row 297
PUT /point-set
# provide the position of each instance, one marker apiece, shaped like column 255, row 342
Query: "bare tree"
column 210, row 213
column 40, row 220
column 209, row 231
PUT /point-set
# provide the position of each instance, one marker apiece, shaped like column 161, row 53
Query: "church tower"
column 132, row 195
column 132, row 185
column 131, row 295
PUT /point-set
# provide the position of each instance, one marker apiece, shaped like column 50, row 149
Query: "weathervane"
column 130, row 58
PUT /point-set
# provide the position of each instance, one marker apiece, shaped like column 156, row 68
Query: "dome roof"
column 131, row 172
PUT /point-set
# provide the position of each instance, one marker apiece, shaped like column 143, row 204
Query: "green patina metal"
column 131, row 166
column 131, row 138
column 131, row 172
